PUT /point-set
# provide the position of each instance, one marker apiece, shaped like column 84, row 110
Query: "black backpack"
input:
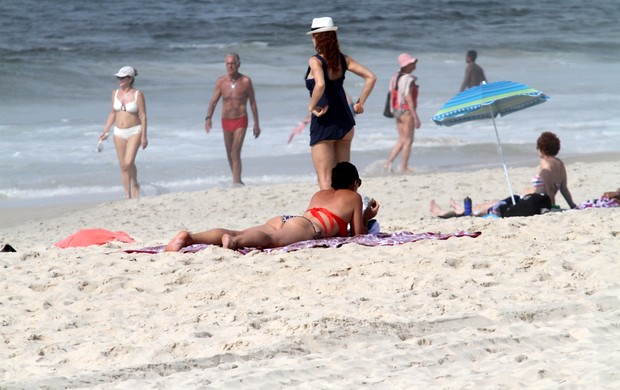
column 528, row 205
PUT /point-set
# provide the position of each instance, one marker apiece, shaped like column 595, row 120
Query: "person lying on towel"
column 609, row 199
column 329, row 214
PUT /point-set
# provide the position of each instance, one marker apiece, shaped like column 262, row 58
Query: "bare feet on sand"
column 435, row 209
column 136, row 191
column 181, row 240
column 458, row 208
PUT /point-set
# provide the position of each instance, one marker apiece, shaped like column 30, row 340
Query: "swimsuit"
column 332, row 218
column 403, row 87
column 129, row 107
column 317, row 233
column 232, row 124
column 538, row 181
column 128, row 132
column 338, row 120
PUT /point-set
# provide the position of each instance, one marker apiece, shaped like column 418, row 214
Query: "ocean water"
column 58, row 59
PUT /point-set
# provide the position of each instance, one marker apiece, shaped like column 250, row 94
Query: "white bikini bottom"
column 128, row 132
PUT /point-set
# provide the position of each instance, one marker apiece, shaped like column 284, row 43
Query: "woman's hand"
column 103, row 136
column 319, row 111
column 371, row 211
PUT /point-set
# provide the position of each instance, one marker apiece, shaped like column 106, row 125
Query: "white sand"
column 531, row 303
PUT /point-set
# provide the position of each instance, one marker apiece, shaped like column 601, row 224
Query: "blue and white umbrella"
column 486, row 101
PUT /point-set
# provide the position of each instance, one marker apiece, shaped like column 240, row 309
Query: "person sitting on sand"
column 552, row 172
column 328, row 215
column 551, row 178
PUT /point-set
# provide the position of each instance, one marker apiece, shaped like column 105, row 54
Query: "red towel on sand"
column 87, row 237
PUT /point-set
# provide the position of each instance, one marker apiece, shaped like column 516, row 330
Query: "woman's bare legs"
column 407, row 141
column 404, row 125
column 216, row 236
column 477, row 209
column 397, row 147
column 185, row 238
column 343, row 148
column 326, row 154
column 437, row 211
column 126, row 151
column 324, row 160
column 270, row 236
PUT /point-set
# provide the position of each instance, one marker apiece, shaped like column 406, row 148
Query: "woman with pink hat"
column 404, row 91
column 331, row 125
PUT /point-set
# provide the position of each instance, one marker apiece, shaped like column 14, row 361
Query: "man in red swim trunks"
column 236, row 90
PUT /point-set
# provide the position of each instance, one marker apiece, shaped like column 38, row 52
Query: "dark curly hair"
column 344, row 175
column 327, row 45
column 548, row 143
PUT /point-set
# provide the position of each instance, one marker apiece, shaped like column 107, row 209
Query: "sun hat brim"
column 322, row 29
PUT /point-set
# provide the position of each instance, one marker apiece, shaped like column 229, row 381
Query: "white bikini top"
column 129, row 107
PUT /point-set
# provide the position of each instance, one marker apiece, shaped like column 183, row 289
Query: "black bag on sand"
column 528, row 205
column 8, row 248
column 387, row 110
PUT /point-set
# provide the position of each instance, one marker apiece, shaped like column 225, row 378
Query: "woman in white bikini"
column 128, row 116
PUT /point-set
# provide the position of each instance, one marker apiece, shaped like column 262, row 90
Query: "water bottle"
column 467, row 206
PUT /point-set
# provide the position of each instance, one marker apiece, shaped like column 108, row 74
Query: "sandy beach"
column 532, row 302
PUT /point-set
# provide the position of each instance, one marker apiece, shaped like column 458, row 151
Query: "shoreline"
column 41, row 209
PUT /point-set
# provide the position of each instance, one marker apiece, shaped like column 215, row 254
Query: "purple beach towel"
column 381, row 239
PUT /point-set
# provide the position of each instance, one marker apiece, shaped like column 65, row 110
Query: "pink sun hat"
column 405, row 59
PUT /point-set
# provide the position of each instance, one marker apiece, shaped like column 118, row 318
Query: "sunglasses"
column 122, row 78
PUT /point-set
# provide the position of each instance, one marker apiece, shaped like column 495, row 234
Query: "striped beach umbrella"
column 486, row 101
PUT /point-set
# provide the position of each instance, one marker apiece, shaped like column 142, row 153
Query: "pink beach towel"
column 602, row 202
column 87, row 237
column 381, row 239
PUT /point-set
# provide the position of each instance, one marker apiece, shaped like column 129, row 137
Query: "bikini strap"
column 315, row 213
column 331, row 217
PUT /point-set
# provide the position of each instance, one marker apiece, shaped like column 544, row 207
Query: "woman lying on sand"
column 328, row 215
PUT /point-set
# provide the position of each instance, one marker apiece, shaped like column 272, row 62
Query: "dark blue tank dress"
column 338, row 120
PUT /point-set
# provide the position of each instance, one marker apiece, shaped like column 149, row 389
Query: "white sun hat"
column 321, row 25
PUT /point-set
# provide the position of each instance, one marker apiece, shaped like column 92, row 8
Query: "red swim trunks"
column 233, row 124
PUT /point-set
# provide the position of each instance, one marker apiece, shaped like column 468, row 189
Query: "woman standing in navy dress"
column 331, row 126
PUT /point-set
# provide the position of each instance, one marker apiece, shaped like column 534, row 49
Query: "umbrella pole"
column 501, row 153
